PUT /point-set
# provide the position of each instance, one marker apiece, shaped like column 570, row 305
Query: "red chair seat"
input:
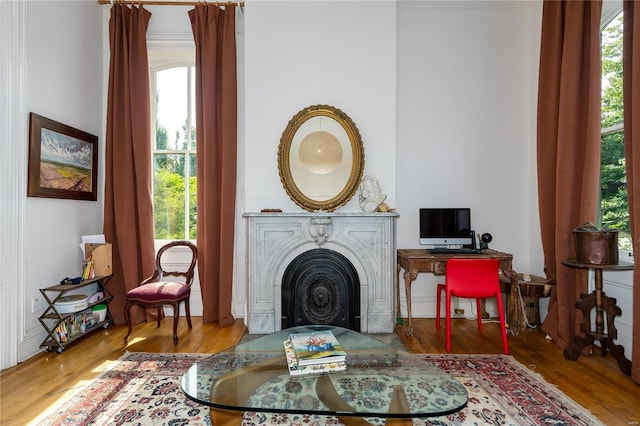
column 157, row 292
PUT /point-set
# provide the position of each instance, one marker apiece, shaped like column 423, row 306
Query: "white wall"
column 54, row 72
column 54, row 227
column 466, row 124
column 315, row 52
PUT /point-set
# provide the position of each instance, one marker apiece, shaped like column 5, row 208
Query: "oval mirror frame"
column 328, row 183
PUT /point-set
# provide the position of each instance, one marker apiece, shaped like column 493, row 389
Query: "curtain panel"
column 216, row 122
column 128, row 210
column 631, row 93
column 568, row 149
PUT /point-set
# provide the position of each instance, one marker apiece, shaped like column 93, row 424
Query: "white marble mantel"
column 368, row 240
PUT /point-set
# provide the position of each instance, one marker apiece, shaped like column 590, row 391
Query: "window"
column 173, row 145
column 613, row 193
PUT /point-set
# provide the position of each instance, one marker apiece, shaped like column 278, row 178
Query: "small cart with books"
column 68, row 318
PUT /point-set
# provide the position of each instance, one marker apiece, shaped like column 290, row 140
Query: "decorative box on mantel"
column 366, row 240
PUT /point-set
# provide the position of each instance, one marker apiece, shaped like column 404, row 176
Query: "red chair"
column 155, row 291
column 472, row 279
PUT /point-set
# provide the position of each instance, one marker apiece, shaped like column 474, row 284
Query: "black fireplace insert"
column 321, row 286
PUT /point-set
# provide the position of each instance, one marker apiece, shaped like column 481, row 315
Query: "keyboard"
column 454, row 251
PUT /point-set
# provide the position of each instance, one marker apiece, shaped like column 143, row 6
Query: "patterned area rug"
column 144, row 389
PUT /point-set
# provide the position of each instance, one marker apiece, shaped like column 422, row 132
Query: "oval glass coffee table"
column 381, row 381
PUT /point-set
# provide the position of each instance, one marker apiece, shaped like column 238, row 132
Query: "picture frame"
column 63, row 161
column 321, row 158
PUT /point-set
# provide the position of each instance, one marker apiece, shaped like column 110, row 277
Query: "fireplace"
column 321, row 286
column 278, row 243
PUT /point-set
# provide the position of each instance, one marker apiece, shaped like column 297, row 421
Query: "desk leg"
column 409, row 277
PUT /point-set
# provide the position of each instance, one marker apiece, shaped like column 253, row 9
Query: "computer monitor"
column 445, row 227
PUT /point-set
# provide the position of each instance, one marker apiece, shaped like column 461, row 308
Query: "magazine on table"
column 316, row 347
column 298, row 370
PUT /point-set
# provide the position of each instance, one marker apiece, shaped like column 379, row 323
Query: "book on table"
column 297, row 370
column 316, row 347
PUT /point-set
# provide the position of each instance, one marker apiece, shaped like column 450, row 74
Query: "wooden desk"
column 602, row 303
column 414, row 261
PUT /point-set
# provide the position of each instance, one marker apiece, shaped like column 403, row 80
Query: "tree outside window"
column 613, row 189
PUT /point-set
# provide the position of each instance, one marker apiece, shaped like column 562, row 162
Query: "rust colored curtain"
column 631, row 83
column 568, row 149
column 216, row 123
column 128, row 210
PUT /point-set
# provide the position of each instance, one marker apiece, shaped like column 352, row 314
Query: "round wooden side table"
column 603, row 304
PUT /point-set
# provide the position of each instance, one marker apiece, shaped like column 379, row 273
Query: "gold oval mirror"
column 321, row 158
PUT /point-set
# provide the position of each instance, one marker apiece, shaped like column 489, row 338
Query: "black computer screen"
column 445, row 226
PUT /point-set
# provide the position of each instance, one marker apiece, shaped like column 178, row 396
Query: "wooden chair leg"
column 176, row 315
column 127, row 318
column 159, row 314
column 187, row 311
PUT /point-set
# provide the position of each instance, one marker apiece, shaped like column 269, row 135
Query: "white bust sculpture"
column 370, row 194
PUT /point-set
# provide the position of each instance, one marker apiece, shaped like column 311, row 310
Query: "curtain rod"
column 170, row 2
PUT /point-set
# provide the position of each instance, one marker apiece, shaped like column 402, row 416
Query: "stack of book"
column 314, row 352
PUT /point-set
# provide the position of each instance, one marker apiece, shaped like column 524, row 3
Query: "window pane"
column 612, row 110
column 192, row 105
column 193, row 201
column 174, row 172
column 172, row 108
column 613, row 182
column 168, row 196
column 613, row 189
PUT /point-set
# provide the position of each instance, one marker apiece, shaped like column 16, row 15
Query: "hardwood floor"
column 29, row 388
column 594, row 382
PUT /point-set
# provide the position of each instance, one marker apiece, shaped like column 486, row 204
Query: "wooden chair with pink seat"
column 156, row 291
column 472, row 279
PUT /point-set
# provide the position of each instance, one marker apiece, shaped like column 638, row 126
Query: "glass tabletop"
column 380, row 380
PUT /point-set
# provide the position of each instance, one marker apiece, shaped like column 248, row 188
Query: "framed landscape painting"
column 63, row 161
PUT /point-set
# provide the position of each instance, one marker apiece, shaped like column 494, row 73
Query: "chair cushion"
column 163, row 290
